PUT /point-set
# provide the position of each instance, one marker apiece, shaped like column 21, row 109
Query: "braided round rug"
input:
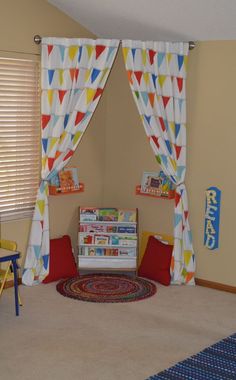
column 106, row 288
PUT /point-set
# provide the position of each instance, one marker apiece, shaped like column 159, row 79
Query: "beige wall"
column 211, row 152
column 211, row 137
column 19, row 22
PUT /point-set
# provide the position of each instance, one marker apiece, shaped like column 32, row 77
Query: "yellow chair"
column 6, row 274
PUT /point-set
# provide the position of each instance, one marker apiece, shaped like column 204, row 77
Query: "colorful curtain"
column 74, row 73
column 157, row 75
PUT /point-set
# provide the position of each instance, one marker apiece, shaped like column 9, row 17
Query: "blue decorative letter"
column 212, row 218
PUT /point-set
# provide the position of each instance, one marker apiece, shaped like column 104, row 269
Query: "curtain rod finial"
column 192, row 45
column 37, row 39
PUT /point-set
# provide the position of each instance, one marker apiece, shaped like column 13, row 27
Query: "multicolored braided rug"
column 106, row 288
column 217, row 362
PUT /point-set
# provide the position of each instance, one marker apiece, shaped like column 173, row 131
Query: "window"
column 19, row 137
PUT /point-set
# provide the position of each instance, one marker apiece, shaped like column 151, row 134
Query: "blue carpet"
column 217, row 362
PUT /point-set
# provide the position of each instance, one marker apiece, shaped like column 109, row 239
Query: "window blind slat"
column 19, row 136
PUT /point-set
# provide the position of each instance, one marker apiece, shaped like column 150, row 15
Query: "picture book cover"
column 88, row 214
column 126, row 229
column 91, row 252
column 111, row 229
column 97, row 228
column 127, row 216
column 128, row 241
column 68, row 178
column 127, row 252
column 101, row 239
column 54, row 181
column 115, row 252
column 114, row 240
column 151, row 183
column 87, row 239
column 108, row 214
column 99, row 251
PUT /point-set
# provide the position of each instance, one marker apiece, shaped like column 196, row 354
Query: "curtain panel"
column 157, row 76
column 74, row 72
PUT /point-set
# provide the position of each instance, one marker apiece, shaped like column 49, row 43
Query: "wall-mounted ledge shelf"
column 170, row 195
column 53, row 190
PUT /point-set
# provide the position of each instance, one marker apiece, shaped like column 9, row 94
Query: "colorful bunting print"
column 74, row 73
column 159, row 93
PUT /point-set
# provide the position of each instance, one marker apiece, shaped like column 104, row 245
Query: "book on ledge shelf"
column 68, row 178
column 65, row 182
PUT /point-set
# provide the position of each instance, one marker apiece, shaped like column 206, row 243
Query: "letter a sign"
column 212, row 218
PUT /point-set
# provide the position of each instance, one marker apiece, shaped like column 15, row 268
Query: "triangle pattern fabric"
column 75, row 72
column 50, row 75
column 99, row 50
column 156, row 72
column 45, row 120
column 50, row 48
column 94, row 75
column 62, row 52
column 160, row 58
column 138, row 75
column 151, row 54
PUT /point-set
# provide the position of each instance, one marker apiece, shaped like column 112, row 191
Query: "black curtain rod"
column 38, row 39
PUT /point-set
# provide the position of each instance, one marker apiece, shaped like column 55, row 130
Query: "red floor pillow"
column 62, row 263
column 156, row 261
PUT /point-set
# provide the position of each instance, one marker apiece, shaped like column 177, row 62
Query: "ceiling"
column 167, row 20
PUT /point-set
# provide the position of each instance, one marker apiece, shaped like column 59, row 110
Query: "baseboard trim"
column 215, row 285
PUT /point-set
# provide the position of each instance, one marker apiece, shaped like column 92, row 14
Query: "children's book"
column 101, row 239
column 111, row 229
column 68, row 178
column 99, row 251
column 127, row 252
column 151, row 183
column 108, row 214
column 88, row 214
column 128, row 241
column 127, row 229
column 114, row 252
column 127, row 216
column 114, row 240
column 91, row 252
column 54, row 181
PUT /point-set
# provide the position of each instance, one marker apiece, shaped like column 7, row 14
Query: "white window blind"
column 19, row 137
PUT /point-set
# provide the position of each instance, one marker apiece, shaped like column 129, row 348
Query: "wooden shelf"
column 53, row 190
column 171, row 194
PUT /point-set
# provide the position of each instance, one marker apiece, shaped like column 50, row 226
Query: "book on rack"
column 88, row 214
column 68, row 178
column 129, row 252
column 108, row 214
column 126, row 229
column 101, row 239
column 86, row 239
column 127, row 216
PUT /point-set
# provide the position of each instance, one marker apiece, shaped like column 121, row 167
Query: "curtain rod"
column 38, row 39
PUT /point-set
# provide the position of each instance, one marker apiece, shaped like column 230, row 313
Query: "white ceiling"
column 168, row 20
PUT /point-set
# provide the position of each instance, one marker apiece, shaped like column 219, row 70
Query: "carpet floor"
column 60, row 338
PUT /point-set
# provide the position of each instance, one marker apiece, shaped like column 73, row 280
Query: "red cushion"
column 156, row 261
column 62, row 263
